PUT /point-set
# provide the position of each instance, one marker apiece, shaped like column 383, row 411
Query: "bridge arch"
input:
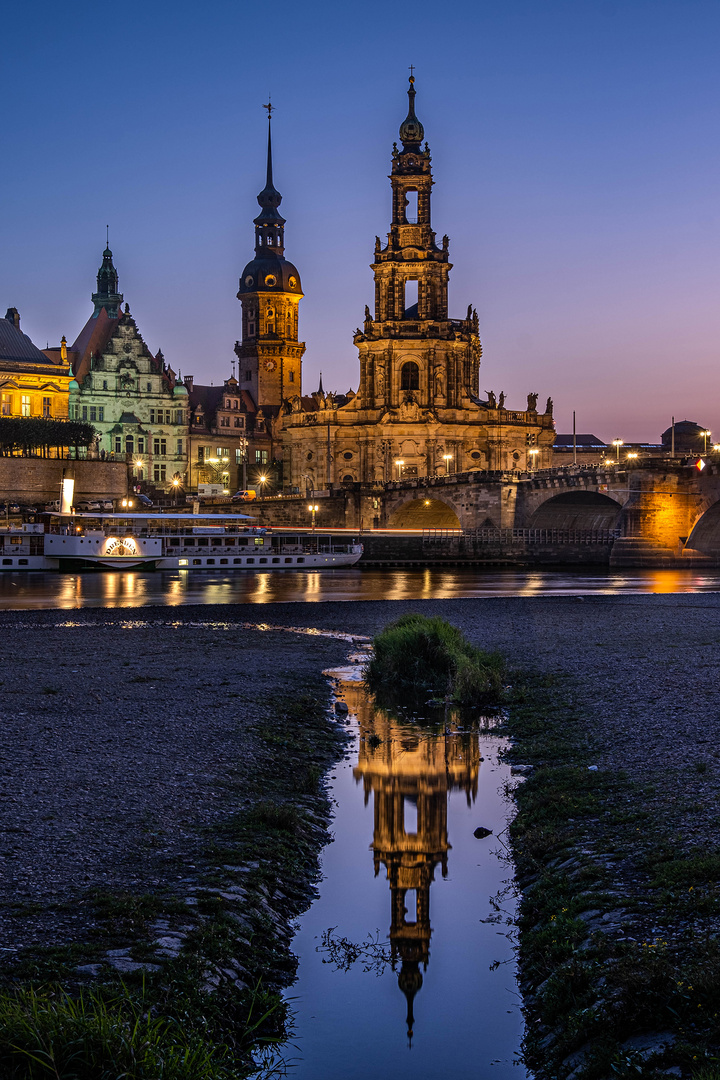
column 705, row 533
column 577, row 510
column 424, row 513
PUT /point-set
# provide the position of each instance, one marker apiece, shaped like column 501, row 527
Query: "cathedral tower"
column 270, row 355
column 411, row 352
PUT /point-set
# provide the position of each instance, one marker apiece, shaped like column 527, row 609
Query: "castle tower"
column 107, row 295
column 270, row 355
column 411, row 352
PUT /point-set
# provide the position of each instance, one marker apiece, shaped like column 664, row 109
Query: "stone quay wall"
column 37, row 480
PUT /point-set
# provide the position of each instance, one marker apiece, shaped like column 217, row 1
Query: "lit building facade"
column 32, row 382
column 133, row 399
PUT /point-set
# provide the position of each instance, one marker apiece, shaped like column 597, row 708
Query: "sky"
column 576, row 157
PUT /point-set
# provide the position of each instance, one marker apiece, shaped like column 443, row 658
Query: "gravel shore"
column 128, row 735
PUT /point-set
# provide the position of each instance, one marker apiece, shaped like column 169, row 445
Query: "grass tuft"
column 417, row 656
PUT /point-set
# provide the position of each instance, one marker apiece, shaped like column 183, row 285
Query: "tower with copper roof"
column 270, row 354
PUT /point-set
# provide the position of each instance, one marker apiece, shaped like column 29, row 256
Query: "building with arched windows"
column 418, row 410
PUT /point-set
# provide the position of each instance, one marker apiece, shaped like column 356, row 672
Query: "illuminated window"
column 6, row 406
column 25, row 405
column 47, row 406
column 261, row 457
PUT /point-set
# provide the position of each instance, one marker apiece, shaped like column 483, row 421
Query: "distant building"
column 132, row 398
column 32, row 382
column 229, row 441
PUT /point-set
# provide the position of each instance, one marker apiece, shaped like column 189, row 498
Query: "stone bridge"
column 663, row 509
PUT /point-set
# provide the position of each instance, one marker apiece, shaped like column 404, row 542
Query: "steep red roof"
column 93, row 338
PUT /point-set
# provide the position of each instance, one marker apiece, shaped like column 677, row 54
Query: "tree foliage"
column 33, row 435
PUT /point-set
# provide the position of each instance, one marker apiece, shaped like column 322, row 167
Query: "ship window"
column 411, row 207
column 237, row 560
column 223, row 562
column 174, row 543
column 182, row 562
column 262, row 560
column 301, row 559
column 410, row 376
column 276, row 560
column 211, row 562
column 202, row 543
column 288, row 560
column 197, row 562
column 7, row 562
column 250, row 561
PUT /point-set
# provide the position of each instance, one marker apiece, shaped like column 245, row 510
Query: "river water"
column 173, row 587
column 406, row 958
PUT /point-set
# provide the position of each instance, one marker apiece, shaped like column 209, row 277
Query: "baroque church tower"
column 411, row 353
column 270, row 355
column 418, row 411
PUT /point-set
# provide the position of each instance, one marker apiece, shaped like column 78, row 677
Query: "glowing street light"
column 716, row 446
column 706, row 435
column 533, row 457
column 632, row 454
column 176, row 485
column 400, row 462
column 617, row 443
column 313, row 508
column 262, row 481
column 447, row 458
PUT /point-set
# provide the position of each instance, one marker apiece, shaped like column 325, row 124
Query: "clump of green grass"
column 47, row 1033
column 417, row 656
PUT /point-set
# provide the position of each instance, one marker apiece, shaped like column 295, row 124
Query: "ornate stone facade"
column 418, row 411
column 133, row 399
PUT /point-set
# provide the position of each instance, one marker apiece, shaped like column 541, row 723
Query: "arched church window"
column 410, row 376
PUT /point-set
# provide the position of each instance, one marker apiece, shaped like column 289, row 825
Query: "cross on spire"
column 269, row 108
column 412, row 70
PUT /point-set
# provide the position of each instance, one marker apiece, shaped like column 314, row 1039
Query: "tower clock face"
column 270, row 280
column 270, row 365
column 292, row 282
column 249, row 280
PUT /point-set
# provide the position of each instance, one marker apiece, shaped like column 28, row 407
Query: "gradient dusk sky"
column 576, row 155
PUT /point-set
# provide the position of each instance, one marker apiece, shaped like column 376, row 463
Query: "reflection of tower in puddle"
column 410, row 771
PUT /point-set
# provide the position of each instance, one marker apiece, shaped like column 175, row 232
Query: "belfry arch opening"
column 424, row 514
column 411, row 207
column 410, row 303
column 577, row 510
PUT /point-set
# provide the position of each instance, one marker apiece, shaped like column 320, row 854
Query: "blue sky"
column 575, row 150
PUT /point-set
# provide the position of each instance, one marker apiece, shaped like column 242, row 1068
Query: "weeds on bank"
column 95, row 1037
column 588, row 987
column 418, row 656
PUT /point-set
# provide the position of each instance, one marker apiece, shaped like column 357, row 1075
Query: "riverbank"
column 629, row 850
column 162, row 811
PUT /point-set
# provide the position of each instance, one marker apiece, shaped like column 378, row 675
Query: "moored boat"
column 181, row 541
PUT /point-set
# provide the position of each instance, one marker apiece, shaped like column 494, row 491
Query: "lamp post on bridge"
column 706, row 435
column 617, row 443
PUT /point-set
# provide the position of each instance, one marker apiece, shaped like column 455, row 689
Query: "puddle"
column 406, row 958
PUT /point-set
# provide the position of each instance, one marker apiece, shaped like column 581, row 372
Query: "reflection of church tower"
column 411, row 773
column 270, row 354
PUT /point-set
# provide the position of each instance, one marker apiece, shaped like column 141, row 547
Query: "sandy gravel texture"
column 118, row 745
column 119, row 729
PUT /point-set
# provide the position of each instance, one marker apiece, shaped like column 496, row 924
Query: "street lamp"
column 176, row 485
column 632, row 454
column 617, row 443
column 313, row 508
column 533, row 458
column 716, row 446
column 706, row 435
column 447, row 458
column 400, row 464
column 262, row 481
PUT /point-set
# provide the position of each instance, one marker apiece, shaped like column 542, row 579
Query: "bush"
column 417, row 656
column 47, row 1033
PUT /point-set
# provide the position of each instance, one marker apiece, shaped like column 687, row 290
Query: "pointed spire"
column 411, row 130
column 107, row 295
column 320, row 386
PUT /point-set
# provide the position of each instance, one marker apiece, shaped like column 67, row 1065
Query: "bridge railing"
column 493, row 536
